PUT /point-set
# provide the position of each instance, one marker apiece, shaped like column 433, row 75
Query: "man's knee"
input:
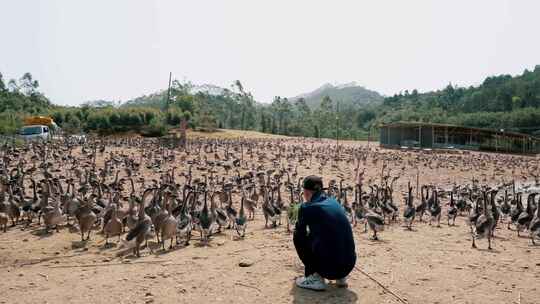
column 335, row 272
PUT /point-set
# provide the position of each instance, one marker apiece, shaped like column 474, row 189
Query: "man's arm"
column 300, row 231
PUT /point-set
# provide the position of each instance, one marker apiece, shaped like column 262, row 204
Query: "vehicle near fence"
column 39, row 128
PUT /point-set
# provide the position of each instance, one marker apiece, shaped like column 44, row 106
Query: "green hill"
column 347, row 94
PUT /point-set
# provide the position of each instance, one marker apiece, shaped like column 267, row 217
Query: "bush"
column 10, row 123
column 73, row 126
column 155, row 129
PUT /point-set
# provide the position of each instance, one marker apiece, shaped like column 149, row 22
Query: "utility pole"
column 168, row 92
column 369, row 136
column 337, row 126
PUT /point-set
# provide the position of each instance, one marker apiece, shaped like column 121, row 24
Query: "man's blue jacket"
column 323, row 225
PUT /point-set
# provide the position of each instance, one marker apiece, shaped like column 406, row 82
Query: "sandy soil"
column 426, row 265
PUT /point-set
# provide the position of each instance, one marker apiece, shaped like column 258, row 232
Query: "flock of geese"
column 212, row 185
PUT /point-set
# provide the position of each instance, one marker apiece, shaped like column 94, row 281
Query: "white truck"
column 38, row 128
column 36, row 132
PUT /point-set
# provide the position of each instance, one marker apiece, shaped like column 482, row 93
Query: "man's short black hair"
column 313, row 183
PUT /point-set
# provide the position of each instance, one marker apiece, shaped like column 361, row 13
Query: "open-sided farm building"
column 444, row 136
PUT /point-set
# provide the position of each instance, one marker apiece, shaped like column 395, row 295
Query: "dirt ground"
column 426, row 265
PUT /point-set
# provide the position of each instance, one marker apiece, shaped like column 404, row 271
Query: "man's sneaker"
column 342, row 283
column 313, row 282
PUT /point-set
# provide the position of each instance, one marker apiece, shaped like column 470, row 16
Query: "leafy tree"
column 2, row 84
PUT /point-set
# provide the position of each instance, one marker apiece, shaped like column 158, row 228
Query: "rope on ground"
column 400, row 299
column 114, row 264
column 248, row 286
column 40, row 260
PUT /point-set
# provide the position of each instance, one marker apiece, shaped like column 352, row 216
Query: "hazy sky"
column 112, row 49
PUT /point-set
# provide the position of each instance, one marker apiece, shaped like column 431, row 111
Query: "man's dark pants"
column 327, row 268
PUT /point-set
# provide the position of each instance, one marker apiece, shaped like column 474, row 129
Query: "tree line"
column 512, row 103
column 500, row 102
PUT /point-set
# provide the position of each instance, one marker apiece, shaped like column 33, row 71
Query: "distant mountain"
column 347, row 94
column 158, row 99
column 100, row 103
column 155, row 100
column 208, row 88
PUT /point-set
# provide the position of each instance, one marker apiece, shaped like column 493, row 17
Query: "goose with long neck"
column 219, row 213
column 44, row 198
column 34, row 207
column 185, row 222
column 14, row 211
column 278, row 203
column 359, row 208
column 494, row 210
column 387, row 211
column 534, row 227
column 132, row 218
column 231, row 212
column 461, row 203
column 162, row 214
column 86, row 217
column 375, row 220
column 141, row 232
column 421, row 208
column 250, row 203
column 205, row 219
column 269, row 211
column 452, row 210
column 169, row 225
column 292, row 210
column 390, row 200
column 516, row 210
column 154, row 208
column 25, row 204
column 435, row 209
column 241, row 219
column 526, row 215
column 254, row 196
column 52, row 214
column 506, row 208
column 72, row 203
column 114, row 226
column 349, row 211
column 4, row 219
column 485, row 223
column 409, row 213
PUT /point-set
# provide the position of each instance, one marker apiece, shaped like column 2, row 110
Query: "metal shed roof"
column 425, row 124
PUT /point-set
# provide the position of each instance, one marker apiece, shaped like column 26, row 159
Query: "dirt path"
column 426, row 265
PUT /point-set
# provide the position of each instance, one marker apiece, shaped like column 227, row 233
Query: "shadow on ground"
column 331, row 295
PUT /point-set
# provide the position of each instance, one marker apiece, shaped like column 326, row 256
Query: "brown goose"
column 409, row 213
column 114, row 226
column 141, row 232
column 162, row 214
column 4, row 219
column 534, row 227
column 86, row 218
column 169, row 226
column 484, row 224
column 14, row 211
column 52, row 214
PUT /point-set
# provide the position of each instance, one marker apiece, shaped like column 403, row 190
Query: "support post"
column 388, row 135
column 417, row 179
column 420, row 137
column 432, row 136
